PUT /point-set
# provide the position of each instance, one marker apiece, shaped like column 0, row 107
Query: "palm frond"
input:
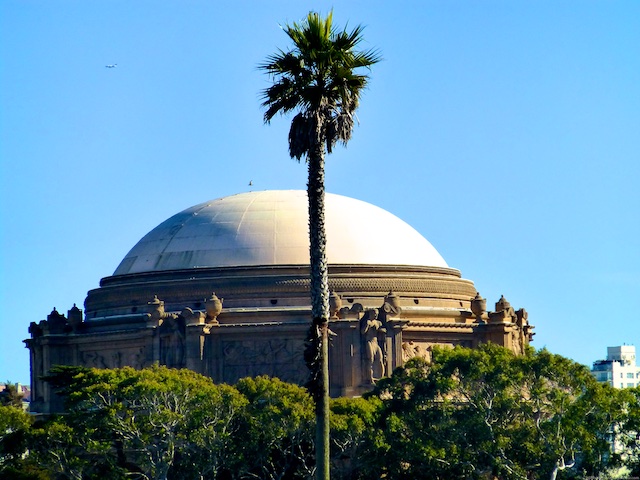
column 300, row 138
column 317, row 78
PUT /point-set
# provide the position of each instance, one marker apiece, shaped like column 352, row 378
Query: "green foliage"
column 67, row 451
column 469, row 414
column 11, row 395
column 628, row 431
column 152, row 422
column 569, row 416
column 485, row 413
column 14, row 427
column 211, row 428
column 355, row 438
column 276, row 430
column 13, row 419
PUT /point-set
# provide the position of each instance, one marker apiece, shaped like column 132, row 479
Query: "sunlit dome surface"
column 271, row 228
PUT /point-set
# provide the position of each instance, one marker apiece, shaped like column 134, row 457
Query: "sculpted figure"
column 172, row 343
column 171, row 332
column 370, row 327
column 335, row 304
column 525, row 329
column 517, row 345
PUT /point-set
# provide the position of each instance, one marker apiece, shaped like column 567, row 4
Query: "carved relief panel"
column 276, row 357
column 108, row 358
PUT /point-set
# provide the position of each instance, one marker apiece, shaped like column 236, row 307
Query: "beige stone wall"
column 381, row 317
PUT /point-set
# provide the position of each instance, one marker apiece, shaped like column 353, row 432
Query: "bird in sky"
column 112, row 65
column 250, row 182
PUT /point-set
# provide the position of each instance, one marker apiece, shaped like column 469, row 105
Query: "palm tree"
column 317, row 79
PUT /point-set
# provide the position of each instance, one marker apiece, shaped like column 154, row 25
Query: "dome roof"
column 271, row 228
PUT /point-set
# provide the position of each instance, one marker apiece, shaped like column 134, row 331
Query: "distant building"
column 619, row 369
column 23, row 390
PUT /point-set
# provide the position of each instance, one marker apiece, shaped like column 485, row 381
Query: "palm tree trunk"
column 319, row 304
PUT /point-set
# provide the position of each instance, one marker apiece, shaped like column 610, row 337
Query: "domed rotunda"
column 222, row 288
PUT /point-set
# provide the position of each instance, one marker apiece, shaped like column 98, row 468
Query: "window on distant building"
column 630, row 375
column 630, row 385
column 603, row 376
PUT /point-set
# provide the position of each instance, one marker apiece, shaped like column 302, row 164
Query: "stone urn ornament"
column 213, row 307
column 478, row 307
column 391, row 305
column 156, row 311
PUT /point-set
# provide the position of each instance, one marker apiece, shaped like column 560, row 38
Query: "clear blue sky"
column 506, row 132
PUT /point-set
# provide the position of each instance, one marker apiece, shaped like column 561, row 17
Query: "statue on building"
column 525, row 329
column 335, row 304
column 371, row 328
column 172, row 342
column 171, row 333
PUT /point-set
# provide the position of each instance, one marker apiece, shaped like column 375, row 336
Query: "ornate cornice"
column 242, row 285
column 439, row 325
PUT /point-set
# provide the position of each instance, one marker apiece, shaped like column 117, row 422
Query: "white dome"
column 271, row 228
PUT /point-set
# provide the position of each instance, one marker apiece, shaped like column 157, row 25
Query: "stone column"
column 195, row 332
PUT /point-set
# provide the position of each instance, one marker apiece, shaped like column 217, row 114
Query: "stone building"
column 393, row 297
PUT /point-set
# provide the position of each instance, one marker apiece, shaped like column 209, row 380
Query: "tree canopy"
column 486, row 413
column 11, row 395
column 468, row 414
